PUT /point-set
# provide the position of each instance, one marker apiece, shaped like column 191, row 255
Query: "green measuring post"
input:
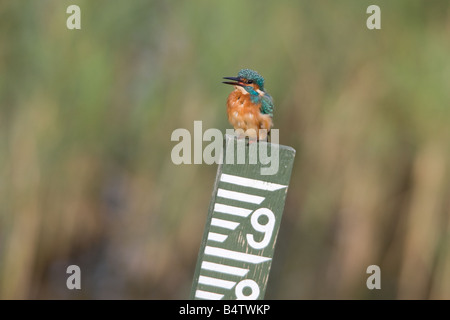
column 243, row 221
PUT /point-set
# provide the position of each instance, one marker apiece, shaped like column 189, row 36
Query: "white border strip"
column 212, row 236
column 251, row 183
column 235, row 271
column 224, row 223
column 236, row 211
column 220, row 283
column 208, row 295
column 239, row 196
column 234, row 255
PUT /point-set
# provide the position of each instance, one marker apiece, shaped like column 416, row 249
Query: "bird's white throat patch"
column 241, row 89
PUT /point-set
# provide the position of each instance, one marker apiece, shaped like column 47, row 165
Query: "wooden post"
column 243, row 221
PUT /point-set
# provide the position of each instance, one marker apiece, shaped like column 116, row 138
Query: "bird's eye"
column 249, row 81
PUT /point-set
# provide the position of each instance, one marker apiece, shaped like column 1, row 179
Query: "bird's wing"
column 267, row 105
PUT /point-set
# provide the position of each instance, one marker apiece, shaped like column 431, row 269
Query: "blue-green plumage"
column 253, row 76
column 267, row 104
column 265, row 100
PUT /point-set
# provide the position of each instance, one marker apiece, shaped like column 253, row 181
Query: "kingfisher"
column 249, row 106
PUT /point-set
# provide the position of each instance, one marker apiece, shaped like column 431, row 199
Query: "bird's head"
column 247, row 78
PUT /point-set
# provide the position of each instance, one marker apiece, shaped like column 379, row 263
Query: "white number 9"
column 266, row 228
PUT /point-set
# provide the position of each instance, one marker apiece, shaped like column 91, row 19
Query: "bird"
column 249, row 106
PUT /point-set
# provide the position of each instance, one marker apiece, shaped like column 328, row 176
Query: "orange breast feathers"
column 243, row 114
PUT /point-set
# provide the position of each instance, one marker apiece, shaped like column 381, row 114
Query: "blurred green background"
column 86, row 118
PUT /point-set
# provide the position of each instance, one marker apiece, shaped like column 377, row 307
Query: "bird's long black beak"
column 236, row 81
